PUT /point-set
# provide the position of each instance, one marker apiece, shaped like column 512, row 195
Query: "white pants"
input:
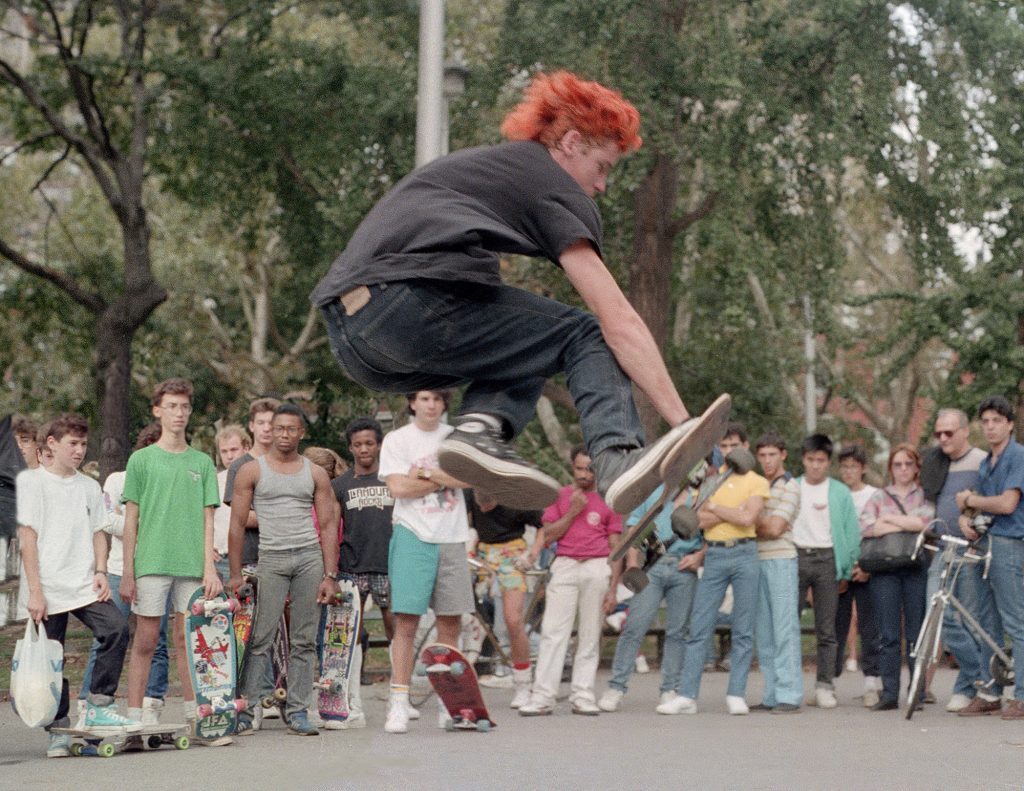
column 574, row 585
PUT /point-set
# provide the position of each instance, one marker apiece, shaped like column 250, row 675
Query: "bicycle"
column 479, row 620
column 929, row 640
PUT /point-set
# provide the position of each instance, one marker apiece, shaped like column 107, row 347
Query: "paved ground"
column 847, row 748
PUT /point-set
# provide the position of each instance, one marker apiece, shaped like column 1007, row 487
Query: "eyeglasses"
column 291, row 431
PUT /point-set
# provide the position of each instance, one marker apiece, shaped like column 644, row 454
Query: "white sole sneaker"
column 512, row 485
column 635, row 485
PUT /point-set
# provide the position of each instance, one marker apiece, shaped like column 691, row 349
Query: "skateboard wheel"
column 483, row 725
column 245, row 591
column 106, row 750
column 239, row 705
column 685, row 522
column 76, row 749
column 268, row 701
column 635, row 579
column 154, row 741
column 280, row 694
column 182, row 743
column 204, row 710
column 449, row 725
column 740, row 460
column 457, row 668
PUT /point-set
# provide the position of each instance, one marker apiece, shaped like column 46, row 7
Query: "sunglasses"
column 944, row 434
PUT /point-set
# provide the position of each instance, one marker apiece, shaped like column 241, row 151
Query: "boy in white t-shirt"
column 61, row 516
column 427, row 562
column 232, row 443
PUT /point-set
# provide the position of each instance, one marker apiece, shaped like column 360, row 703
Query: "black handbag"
column 891, row 552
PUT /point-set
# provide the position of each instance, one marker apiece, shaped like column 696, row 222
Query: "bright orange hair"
column 555, row 103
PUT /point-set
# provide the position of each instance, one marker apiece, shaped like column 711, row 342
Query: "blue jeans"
column 677, row 589
column 972, row 655
column 156, row 687
column 505, row 342
column 1006, row 578
column 778, row 632
column 898, row 598
column 723, row 566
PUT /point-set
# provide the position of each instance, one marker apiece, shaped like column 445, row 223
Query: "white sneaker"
column 271, row 713
column 825, row 698
column 610, row 700
column 443, row 717
column 535, row 708
column 398, row 719
column 586, row 707
column 736, row 705
column 522, row 680
column 958, row 702
column 356, row 719
column 641, row 664
column 677, row 705
column 152, row 708
column 870, row 698
column 414, row 714
column 496, row 682
column 851, row 665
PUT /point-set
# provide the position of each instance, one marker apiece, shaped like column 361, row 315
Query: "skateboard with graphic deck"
column 244, row 620
column 340, row 637
column 454, row 680
column 105, row 745
column 213, row 664
column 279, row 651
column 684, row 466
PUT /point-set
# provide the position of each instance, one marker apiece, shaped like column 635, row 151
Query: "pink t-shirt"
column 587, row 536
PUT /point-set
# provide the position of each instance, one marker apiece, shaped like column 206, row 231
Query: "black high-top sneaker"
column 627, row 476
column 478, row 453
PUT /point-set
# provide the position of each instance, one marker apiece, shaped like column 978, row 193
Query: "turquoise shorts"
column 426, row 575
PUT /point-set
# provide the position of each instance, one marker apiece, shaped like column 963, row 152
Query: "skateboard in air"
column 105, row 745
column 454, row 680
column 684, row 466
column 340, row 638
column 210, row 644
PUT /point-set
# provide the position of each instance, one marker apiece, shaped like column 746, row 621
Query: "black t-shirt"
column 500, row 524
column 251, row 545
column 366, row 506
column 449, row 219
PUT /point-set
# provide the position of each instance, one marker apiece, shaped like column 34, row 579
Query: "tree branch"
column 32, row 141
column 91, row 301
column 702, row 210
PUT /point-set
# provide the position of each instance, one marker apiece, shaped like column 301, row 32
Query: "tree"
column 91, row 105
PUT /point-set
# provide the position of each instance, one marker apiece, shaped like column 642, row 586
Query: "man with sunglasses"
column 949, row 468
column 284, row 488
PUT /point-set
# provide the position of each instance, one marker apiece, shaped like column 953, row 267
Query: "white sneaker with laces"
column 958, row 702
column 825, row 698
column 736, row 705
column 610, row 700
column 677, row 705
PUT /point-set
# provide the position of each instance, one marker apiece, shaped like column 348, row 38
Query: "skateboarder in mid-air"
column 416, row 300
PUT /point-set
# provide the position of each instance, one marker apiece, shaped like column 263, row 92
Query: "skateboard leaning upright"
column 340, row 637
column 454, row 680
column 210, row 638
column 684, row 466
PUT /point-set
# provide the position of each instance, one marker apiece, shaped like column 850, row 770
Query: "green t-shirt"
column 171, row 490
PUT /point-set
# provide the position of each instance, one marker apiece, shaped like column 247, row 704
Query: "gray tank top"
column 284, row 507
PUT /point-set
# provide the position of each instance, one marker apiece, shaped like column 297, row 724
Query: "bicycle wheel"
column 924, row 650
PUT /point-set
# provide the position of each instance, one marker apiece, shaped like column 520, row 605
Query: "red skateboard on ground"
column 454, row 680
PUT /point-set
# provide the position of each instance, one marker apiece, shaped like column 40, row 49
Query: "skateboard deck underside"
column 459, row 692
column 340, row 637
column 213, row 666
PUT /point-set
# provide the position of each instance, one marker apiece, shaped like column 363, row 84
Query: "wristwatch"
column 331, row 575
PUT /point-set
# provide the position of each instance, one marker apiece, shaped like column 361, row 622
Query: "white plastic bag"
column 36, row 676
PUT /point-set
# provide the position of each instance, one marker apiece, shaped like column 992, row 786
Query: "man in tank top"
column 283, row 488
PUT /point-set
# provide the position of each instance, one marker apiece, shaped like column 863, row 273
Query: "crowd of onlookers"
column 769, row 545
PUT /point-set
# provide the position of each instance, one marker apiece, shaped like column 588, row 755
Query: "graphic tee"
column 64, row 513
column 435, row 518
column 171, row 490
column 587, row 536
column 366, row 514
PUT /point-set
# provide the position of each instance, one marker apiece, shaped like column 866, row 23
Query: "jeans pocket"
column 403, row 333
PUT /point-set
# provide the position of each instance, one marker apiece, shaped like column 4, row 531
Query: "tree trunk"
column 650, row 274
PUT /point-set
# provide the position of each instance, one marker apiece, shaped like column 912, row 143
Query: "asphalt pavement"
column 847, row 748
